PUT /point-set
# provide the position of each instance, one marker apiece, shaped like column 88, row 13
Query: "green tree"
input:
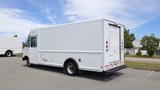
column 128, row 39
column 150, row 43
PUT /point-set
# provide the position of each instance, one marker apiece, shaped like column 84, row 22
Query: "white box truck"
column 10, row 46
column 96, row 45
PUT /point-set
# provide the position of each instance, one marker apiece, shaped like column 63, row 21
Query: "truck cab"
column 30, row 51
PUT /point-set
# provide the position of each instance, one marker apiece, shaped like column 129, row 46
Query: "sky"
column 142, row 17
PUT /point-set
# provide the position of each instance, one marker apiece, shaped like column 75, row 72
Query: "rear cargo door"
column 114, row 39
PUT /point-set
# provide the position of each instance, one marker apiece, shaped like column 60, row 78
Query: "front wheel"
column 71, row 69
column 28, row 63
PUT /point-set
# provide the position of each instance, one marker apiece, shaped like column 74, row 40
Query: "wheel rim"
column 8, row 54
column 70, row 69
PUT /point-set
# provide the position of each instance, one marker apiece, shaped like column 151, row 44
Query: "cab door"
column 33, row 50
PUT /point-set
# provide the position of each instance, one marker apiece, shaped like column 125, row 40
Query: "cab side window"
column 33, row 41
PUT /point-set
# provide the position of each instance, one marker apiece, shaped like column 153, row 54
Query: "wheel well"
column 25, row 58
column 70, row 60
column 9, row 51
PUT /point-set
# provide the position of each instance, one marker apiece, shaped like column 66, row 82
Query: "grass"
column 144, row 56
column 157, row 56
column 144, row 65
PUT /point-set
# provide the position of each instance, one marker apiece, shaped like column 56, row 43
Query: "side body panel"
column 81, row 41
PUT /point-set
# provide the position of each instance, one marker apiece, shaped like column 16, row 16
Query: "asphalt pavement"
column 15, row 75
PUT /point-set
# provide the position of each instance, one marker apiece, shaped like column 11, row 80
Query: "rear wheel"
column 71, row 69
column 8, row 53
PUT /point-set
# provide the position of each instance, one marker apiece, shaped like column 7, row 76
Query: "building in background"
column 158, row 50
column 137, row 46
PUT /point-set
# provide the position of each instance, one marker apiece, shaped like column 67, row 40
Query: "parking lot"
column 15, row 75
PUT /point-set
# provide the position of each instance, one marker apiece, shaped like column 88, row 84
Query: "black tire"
column 8, row 53
column 28, row 63
column 71, row 69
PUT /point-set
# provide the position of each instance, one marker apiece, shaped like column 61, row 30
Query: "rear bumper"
column 115, row 69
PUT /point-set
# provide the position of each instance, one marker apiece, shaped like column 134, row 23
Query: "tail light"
column 106, row 45
column 106, row 42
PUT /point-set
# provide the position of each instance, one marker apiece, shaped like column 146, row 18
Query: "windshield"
column 26, row 43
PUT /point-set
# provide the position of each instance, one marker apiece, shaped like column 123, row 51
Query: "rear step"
column 115, row 69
